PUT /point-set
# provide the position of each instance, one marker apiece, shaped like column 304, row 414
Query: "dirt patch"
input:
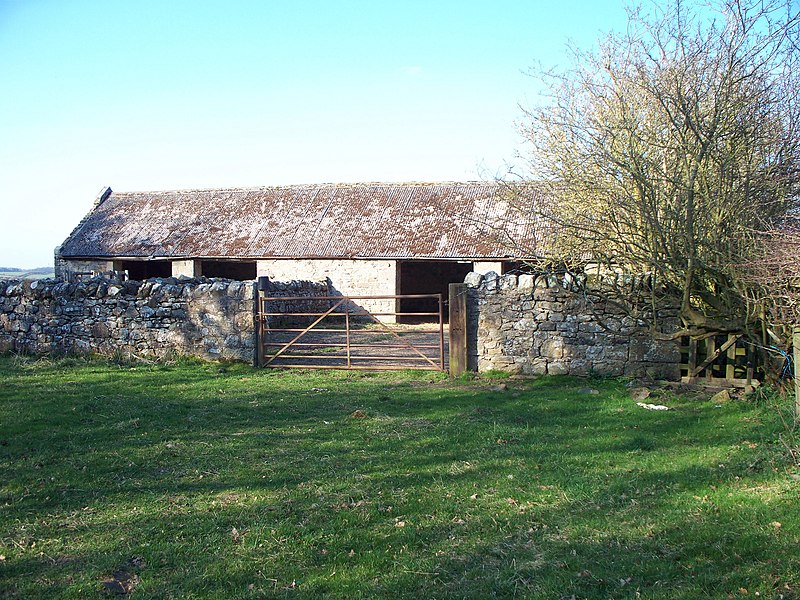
column 124, row 578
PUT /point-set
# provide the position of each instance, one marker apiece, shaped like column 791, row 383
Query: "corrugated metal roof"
column 364, row 220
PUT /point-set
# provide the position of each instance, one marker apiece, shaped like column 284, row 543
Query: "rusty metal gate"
column 338, row 332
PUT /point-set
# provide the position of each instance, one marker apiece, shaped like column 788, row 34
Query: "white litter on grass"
column 652, row 406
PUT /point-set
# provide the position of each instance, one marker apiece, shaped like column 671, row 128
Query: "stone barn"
column 365, row 239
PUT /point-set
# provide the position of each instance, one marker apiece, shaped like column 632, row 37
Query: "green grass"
column 26, row 274
column 206, row 481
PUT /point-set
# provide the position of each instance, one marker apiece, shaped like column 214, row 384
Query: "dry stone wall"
column 157, row 318
column 300, row 298
column 208, row 318
column 538, row 325
column 525, row 324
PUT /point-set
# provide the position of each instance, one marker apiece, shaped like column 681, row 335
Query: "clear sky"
column 175, row 94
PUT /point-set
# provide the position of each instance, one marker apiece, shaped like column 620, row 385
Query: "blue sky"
column 179, row 94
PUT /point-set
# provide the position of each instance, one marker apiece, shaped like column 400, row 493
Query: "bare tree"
column 670, row 146
column 771, row 283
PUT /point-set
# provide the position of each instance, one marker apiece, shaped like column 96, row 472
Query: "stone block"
column 508, row 282
column 552, row 348
column 535, row 366
column 609, row 368
column 580, row 367
column 490, row 282
column 573, row 351
column 595, row 352
column 525, row 324
column 616, row 353
column 558, row 367
column 232, row 342
column 645, row 349
column 100, row 330
column 526, row 282
column 667, row 371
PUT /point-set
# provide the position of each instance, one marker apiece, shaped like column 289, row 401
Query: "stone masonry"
column 524, row 324
column 157, row 318
column 208, row 318
column 536, row 325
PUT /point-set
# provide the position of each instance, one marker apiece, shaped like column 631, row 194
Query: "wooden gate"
column 337, row 332
column 718, row 360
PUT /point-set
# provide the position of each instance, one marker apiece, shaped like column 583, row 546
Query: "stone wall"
column 212, row 319
column 301, row 299
column 157, row 318
column 535, row 325
column 525, row 324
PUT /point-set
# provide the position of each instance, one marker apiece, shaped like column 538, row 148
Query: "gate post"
column 796, row 345
column 458, row 328
column 261, row 291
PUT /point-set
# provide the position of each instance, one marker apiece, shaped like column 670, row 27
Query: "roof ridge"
column 309, row 185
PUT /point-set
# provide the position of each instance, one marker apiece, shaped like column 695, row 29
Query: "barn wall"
column 69, row 269
column 346, row 277
column 483, row 267
column 187, row 268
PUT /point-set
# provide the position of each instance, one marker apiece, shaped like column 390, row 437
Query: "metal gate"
column 337, row 332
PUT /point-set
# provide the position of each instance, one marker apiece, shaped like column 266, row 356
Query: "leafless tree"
column 670, row 146
column 771, row 283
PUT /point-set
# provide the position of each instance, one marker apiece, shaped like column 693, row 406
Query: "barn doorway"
column 427, row 277
column 140, row 270
column 229, row 269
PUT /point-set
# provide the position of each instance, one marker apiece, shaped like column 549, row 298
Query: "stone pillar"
column 484, row 267
column 187, row 268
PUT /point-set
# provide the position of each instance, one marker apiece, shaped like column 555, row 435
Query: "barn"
column 363, row 238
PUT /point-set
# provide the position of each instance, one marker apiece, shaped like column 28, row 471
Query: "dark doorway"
column 428, row 277
column 145, row 269
column 229, row 269
column 517, row 266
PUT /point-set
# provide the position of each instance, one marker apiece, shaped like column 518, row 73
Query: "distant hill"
column 17, row 273
column 39, row 271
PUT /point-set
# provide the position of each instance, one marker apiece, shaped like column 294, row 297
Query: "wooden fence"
column 718, row 359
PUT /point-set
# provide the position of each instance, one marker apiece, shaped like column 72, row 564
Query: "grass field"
column 207, row 481
column 34, row 274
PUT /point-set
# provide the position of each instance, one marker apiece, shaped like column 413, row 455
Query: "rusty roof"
column 362, row 220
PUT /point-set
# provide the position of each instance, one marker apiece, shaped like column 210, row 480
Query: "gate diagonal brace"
column 286, row 346
column 401, row 340
column 715, row 355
